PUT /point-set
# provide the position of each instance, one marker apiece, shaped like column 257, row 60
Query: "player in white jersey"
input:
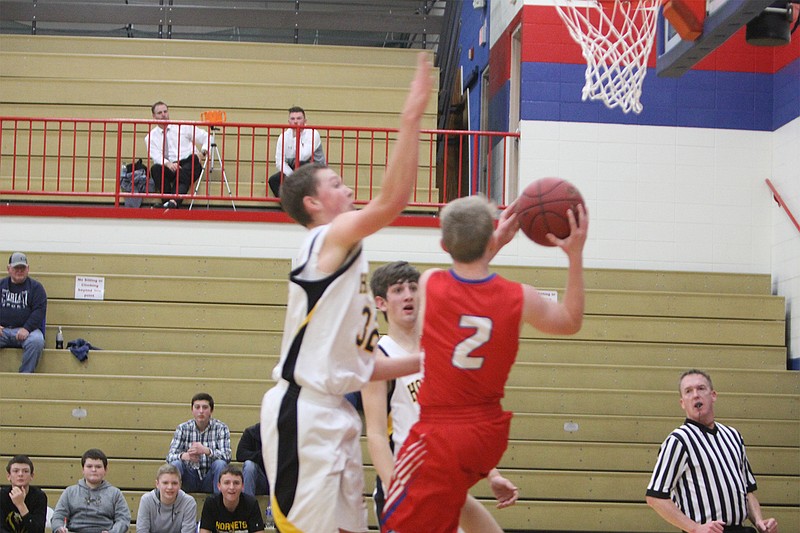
column 394, row 286
column 309, row 431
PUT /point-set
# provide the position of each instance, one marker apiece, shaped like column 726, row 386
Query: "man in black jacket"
column 249, row 453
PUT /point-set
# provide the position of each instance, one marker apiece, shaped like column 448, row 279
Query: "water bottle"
column 59, row 339
column 269, row 522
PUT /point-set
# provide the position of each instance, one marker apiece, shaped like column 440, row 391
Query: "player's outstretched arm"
column 401, row 170
column 566, row 317
column 507, row 227
column 376, row 420
column 395, row 367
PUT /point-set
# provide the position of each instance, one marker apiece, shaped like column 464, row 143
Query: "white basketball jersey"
column 330, row 330
column 403, row 406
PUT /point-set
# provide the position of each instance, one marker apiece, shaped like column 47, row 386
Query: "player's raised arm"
column 401, row 170
column 566, row 317
column 507, row 227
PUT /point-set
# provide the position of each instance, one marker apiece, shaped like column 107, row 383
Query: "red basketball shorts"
column 443, row 456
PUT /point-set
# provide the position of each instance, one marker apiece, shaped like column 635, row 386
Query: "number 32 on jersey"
column 368, row 337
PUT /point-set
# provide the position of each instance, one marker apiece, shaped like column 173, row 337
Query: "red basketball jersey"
column 470, row 337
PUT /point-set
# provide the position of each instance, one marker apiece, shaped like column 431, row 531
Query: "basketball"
column 542, row 209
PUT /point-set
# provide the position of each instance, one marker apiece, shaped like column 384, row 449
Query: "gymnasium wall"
column 785, row 237
column 738, row 86
column 473, row 58
column 681, row 185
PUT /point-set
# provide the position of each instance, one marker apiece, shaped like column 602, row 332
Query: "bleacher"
column 341, row 88
column 590, row 410
column 95, row 77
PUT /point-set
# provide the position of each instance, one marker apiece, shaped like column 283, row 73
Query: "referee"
column 702, row 480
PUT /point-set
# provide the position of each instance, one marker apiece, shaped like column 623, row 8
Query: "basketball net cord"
column 615, row 47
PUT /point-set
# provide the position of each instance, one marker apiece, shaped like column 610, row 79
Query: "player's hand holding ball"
column 551, row 212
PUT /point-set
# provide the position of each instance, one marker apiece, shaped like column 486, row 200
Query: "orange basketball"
column 542, row 208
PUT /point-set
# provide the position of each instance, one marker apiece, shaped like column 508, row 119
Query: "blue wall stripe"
column 700, row 98
column 787, row 94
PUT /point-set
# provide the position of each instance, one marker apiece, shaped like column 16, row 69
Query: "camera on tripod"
column 213, row 117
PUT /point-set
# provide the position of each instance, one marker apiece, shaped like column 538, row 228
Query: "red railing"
column 60, row 160
column 782, row 204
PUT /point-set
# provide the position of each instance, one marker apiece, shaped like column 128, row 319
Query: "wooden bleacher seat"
column 590, row 410
column 231, row 68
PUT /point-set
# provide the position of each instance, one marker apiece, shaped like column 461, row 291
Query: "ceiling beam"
column 365, row 19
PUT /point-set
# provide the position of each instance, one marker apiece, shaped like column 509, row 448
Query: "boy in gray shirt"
column 166, row 508
column 92, row 504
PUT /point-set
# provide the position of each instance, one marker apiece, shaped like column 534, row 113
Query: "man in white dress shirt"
column 286, row 149
column 173, row 152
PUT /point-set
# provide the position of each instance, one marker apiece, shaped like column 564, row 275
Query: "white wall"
column 785, row 237
column 662, row 197
column 658, row 198
column 195, row 238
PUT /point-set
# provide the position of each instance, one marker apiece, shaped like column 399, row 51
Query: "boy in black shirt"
column 23, row 508
column 230, row 511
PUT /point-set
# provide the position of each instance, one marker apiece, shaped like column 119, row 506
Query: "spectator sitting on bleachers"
column 201, row 447
column 166, row 508
column 23, row 308
column 286, row 155
column 92, row 504
column 23, row 508
column 249, row 452
column 171, row 148
column 230, row 510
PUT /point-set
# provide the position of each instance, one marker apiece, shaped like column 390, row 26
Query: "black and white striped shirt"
column 705, row 472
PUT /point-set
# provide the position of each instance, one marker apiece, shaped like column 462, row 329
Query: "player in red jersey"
column 470, row 336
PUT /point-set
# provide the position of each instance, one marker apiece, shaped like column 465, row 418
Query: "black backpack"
column 136, row 174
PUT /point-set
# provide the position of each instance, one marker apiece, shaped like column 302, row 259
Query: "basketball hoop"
column 616, row 37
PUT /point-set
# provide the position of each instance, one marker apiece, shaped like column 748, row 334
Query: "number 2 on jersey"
column 483, row 332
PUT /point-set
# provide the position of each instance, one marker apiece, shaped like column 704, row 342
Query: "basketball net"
column 616, row 43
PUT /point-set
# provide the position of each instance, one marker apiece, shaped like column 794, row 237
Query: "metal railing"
column 779, row 200
column 79, row 161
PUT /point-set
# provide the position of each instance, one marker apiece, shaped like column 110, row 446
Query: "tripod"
column 208, row 165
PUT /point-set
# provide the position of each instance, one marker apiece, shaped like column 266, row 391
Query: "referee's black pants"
column 739, row 529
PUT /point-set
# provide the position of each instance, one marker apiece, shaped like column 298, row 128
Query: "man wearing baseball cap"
column 23, row 306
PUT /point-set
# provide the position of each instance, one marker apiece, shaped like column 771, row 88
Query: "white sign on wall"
column 89, row 288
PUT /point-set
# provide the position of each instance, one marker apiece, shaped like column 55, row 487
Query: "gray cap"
column 17, row 259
